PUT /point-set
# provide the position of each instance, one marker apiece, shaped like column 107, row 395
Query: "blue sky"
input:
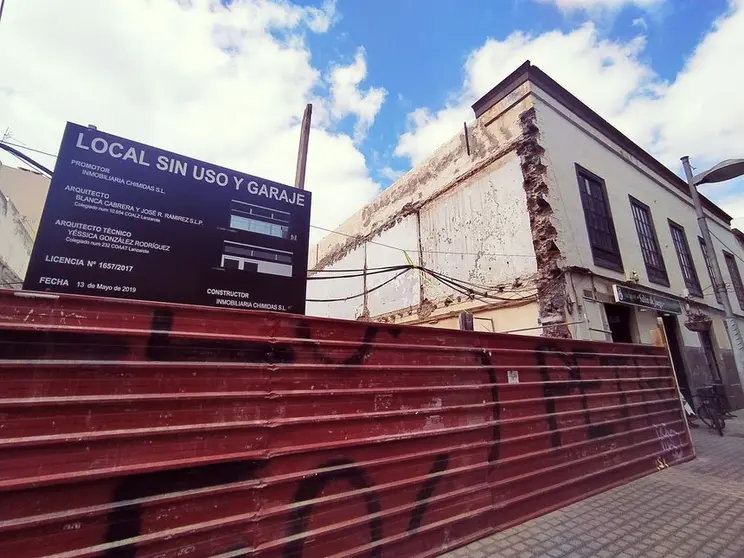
column 416, row 49
column 390, row 80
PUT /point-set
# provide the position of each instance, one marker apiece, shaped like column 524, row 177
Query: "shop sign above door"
column 634, row 297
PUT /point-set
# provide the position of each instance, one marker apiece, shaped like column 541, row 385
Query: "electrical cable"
column 454, row 284
column 462, row 284
column 19, row 146
column 359, row 270
column 362, row 273
column 360, row 294
column 726, row 246
column 25, row 158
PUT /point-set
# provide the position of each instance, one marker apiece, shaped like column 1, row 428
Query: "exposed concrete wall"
column 458, row 213
column 28, row 190
column 446, row 168
column 479, row 232
column 15, row 244
column 405, row 291
column 327, row 288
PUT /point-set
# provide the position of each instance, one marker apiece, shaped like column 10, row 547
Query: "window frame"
column 658, row 275
column 600, row 255
column 729, row 258
column 708, row 265
column 694, row 286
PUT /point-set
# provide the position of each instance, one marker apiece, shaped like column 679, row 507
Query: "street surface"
column 695, row 509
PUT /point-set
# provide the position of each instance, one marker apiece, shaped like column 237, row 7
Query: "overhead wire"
column 468, row 289
column 363, row 293
column 362, row 273
column 359, row 272
column 19, row 146
column 732, row 252
column 25, row 158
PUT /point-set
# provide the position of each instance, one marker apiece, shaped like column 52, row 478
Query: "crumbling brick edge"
column 551, row 283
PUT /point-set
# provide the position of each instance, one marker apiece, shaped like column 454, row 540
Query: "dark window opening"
column 735, row 277
column 685, row 259
column 706, row 257
column 619, row 320
column 652, row 257
column 598, row 217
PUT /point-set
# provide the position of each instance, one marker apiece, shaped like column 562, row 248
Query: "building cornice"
column 528, row 72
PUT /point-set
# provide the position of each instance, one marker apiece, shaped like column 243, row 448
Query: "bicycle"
column 723, row 405
column 708, row 409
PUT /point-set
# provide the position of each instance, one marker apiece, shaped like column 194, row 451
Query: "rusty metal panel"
column 144, row 430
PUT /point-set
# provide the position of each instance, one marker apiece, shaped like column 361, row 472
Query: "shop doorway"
column 671, row 331
column 619, row 319
column 706, row 342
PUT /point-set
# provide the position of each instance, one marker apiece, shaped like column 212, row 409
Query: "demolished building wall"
column 462, row 212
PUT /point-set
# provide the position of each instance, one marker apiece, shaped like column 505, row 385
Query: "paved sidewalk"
column 695, row 509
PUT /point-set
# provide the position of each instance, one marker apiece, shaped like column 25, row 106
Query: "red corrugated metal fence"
column 136, row 429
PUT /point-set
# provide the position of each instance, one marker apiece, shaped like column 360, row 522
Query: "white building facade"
column 568, row 227
column 22, row 196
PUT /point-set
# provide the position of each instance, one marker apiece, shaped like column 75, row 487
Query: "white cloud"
column 391, row 174
column 348, row 99
column 227, row 85
column 604, row 74
column 596, row 5
column 640, row 22
column 699, row 113
column 322, row 18
column 428, row 131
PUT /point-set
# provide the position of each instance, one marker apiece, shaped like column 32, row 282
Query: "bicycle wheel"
column 705, row 415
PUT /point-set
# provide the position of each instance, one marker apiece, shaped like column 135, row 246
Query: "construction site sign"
column 129, row 220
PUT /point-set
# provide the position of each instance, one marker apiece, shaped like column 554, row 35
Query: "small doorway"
column 671, row 331
column 618, row 318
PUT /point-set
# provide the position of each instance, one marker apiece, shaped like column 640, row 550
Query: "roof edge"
column 529, row 72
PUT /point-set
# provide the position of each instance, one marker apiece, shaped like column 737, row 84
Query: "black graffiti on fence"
column 303, row 331
column 39, row 344
column 163, row 346
column 577, row 383
column 427, row 491
column 309, row 489
column 124, row 521
column 615, row 362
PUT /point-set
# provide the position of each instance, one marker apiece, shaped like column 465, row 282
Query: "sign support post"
column 302, row 151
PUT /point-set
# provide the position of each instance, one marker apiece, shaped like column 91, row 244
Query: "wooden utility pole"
column 466, row 321
column 302, row 152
